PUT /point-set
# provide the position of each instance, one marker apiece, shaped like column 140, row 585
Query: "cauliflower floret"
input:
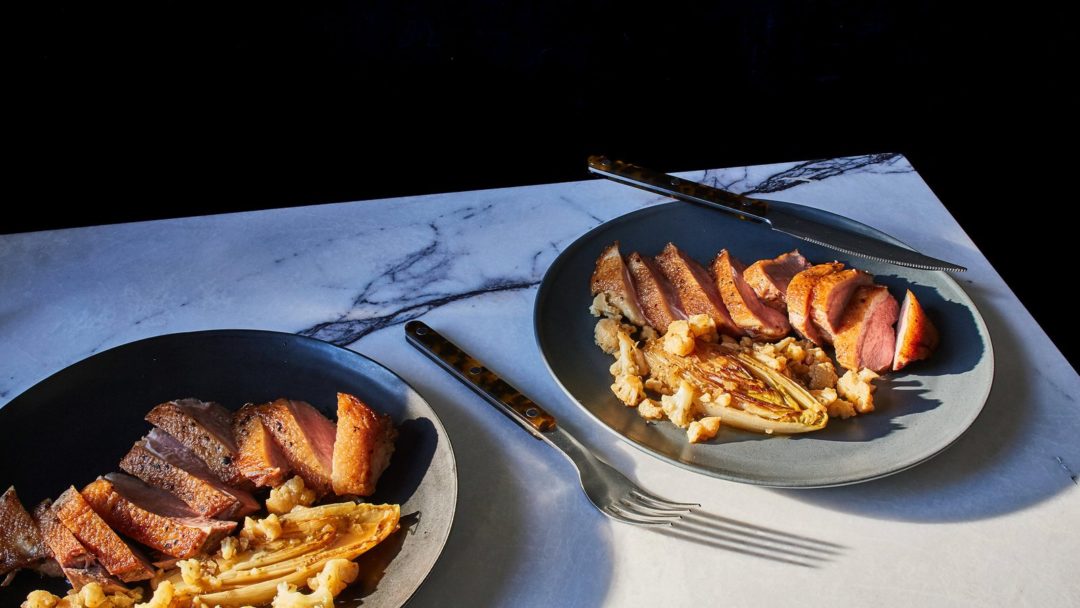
column 703, row 328
column 650, row 410
column 680, row 407
column 601, row 307
column 162, row 598
column 856, row 387
column 825, row 395
column 648, row 333
column 821, row 375
column 290, row 494
column 678, row 340
column 92, row 595
column 199, row 573
column 841, row 409
column 335, row 576
column 229, row 547
column 630, row 361
column 654, row 385
column 713, row 405
column 704, row 429
column 795, row 352
column 267, row 528
column 606, row 335
column 40, row 599
column 628, row 389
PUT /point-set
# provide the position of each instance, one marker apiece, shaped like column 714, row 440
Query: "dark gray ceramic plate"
column 79, row 422
column 920, row 411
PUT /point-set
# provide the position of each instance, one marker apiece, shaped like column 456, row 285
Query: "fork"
column 609, row 490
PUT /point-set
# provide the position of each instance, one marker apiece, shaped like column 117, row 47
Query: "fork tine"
column 632, row 501
column 663, row 502
column 638, row 519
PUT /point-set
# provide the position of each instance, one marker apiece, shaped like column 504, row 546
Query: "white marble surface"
column 995, row 520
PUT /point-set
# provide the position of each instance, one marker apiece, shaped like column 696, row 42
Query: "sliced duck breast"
column 748, row 311
column 20, row 540
column 153, row 517
column 831, row 296
column 305, row 437
column 657, row 296
column 111, row 552
column 800, row 297
column 77, row 564
column 162, row 462
column 770, row 278
column 205, row 428
column 612, row 278
column 695, row 288
column 365, row 441
column 866, row 338
column 916, row 336
column 257, row 456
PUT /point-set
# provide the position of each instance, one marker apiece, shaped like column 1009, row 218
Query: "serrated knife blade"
column 802, row 222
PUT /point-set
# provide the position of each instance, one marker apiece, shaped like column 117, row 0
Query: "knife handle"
column 480, row 379
column 676, row 187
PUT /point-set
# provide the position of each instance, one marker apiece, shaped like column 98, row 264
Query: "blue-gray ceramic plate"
column 79, row 422
column 920, row 410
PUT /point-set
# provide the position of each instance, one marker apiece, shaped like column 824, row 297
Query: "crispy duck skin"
column 866, row 337
column 76, row 563
column 831, row 297
column 612, row 278
column 800, row 297
column 696, row 290
column 257, row 457
column 748, row 311
column 916, row 336
column 205, row 428
column 111, row 552
column 20, row 540
column 153, row 517
column 306, row 438
column 365, row 441
column 770, row 278
column 162, row 462
column 658, row 299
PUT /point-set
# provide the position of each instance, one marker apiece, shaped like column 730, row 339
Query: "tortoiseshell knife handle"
column 676, row 187
column 480, row 379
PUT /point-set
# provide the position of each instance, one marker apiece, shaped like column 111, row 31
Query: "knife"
column 806, row 223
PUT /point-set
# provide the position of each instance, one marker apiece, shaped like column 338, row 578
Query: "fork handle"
column 480, row 379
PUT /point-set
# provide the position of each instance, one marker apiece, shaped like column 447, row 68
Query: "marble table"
column 995, row 520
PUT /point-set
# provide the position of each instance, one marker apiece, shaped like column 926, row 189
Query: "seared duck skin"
column 153, row 517
column 365, row 441
column 111, row 552
column 205, row 428
column 696, row 290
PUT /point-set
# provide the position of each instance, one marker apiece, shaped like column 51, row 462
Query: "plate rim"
column 543, row 293
column 266, row 333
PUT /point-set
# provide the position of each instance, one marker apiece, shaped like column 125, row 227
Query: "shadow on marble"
column 1004, row 463
column 493, row 556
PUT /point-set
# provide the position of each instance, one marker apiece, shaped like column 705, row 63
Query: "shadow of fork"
column 720, row 532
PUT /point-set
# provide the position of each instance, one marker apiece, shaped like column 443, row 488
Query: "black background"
column 159, row 109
